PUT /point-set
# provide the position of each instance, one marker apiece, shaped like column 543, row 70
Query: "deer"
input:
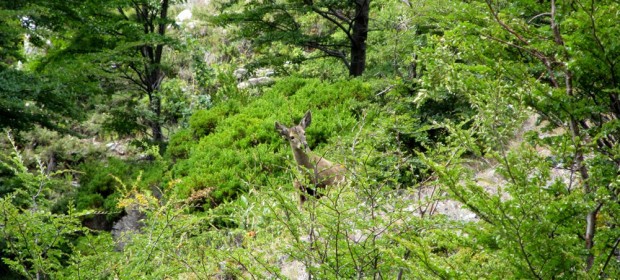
column 318, row 171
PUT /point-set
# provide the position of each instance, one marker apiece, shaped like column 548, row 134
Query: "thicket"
column 480, row 142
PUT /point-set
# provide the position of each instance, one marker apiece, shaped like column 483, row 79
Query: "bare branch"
column 333, row 53
column 333, row 17
column 141, row 83
column 537, row 16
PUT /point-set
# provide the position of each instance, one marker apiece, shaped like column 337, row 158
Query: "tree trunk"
column 579, row 141
column 152, row 75
column 155, row 106
column 359, row 36
column 158, row 75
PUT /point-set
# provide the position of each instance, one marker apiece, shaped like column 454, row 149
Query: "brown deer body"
column 318, row 171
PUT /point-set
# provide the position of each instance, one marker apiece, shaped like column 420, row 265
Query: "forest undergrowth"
column 478, row 139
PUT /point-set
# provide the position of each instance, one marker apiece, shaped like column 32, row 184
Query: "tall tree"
column 148, row 73
column 122, row 43
column 104, row 42
column 338, row 29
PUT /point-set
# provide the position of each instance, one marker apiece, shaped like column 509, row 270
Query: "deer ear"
column 282, row 129
column 306, row 120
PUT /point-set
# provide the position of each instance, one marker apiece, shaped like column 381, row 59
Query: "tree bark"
column 155, row 106
column 155, row 77
column 358, row 38
column 158, row 75
column 152, row 73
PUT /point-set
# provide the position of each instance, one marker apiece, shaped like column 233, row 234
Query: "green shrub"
column 239, row 146
column 124, row 117
column 180, row 145
column 35, row 240
column 99, row 186
column 204, row 122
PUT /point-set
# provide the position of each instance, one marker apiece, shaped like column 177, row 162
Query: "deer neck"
column 302, row 158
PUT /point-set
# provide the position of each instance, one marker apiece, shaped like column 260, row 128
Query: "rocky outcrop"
column 128, row 225
column 261, row 77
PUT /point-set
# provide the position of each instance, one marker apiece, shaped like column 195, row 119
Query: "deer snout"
column 303, row 146
column 299, row 145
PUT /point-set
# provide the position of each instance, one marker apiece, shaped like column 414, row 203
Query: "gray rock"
column 240, row 73
column 255, row 82
column 127, row 226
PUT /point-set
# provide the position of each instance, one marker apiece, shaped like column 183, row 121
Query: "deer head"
column 296, row 135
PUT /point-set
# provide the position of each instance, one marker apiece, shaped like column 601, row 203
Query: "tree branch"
column 333, row 53
column 537, row 16
column 613, row 250
column 334, row 19
column 161, row 29
column 141, row 83
column 120, row 11
column 547, row 62
column 615, row 102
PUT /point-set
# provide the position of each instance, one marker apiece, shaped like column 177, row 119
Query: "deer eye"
column 293, row 137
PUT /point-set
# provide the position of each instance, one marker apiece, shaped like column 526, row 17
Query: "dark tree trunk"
column 358, row 38
column 155, row 106
column 152, row 74
column 155, row 78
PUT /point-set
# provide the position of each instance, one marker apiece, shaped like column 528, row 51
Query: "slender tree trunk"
column 579, row 142
column 152, row 74
column 158, row 75
column 155, row 106
column 358, row 40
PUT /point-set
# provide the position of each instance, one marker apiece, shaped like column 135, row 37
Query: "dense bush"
column 243, row 149
column 204, row 122
column 99, row 183
column 180, row 144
